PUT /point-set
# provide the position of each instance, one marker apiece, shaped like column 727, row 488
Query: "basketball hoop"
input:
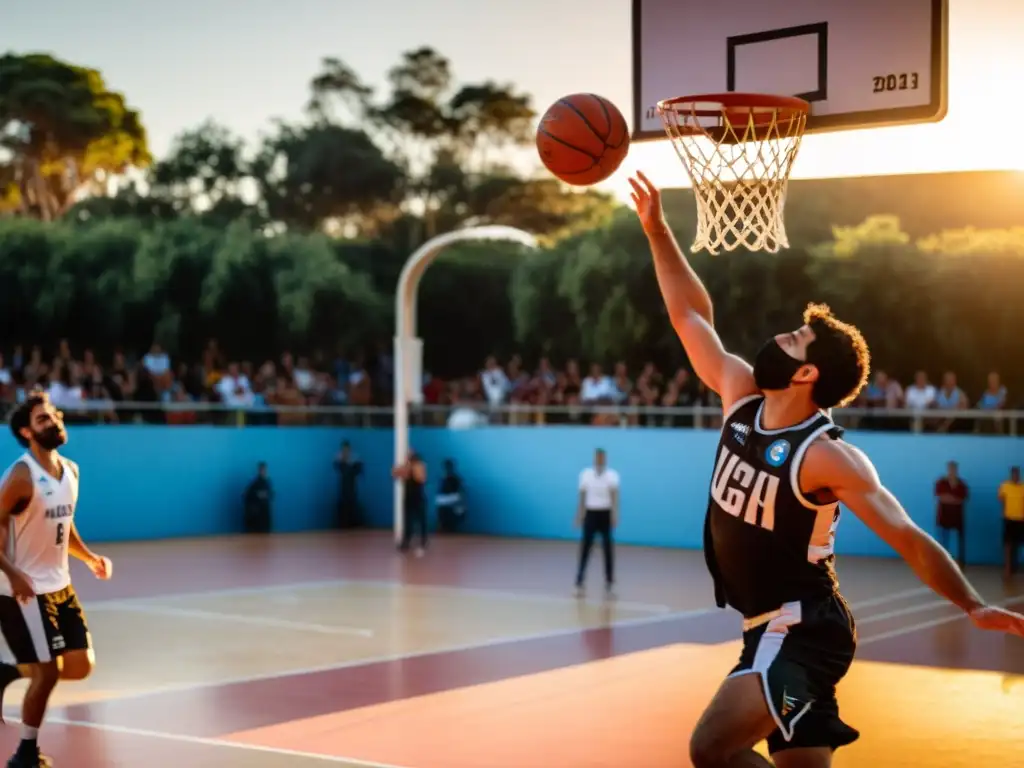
column 738, row 149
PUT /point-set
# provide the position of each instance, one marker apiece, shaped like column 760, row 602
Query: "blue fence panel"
column 150, row 482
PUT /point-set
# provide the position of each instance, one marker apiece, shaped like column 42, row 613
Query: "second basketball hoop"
column 738, row 150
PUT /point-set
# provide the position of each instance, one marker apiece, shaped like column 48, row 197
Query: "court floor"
column 330, row 648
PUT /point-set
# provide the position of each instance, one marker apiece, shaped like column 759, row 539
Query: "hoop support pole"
column 405, row 329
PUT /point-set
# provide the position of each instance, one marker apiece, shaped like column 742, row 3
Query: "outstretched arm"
column 101, row 566
column 688, row 303
column 850, row 476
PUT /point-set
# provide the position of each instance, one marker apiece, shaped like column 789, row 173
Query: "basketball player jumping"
column 41, row 619
column 779, row 475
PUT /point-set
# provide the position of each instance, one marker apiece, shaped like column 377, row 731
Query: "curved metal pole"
column 405, row 328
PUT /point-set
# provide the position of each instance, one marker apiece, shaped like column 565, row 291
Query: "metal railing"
column 973, row 421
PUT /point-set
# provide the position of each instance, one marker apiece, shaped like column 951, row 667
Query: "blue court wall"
column 149, row 482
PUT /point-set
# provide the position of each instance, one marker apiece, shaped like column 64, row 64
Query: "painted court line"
column 239, row 618
column 236, row 745
column 370, row 660
column 226, row 592
column 539, row 597
column 931, row 605
column 933, row 623
column 891, row 598
column 457, row 648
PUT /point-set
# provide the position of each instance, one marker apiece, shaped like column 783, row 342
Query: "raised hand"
column 998, row 619
column 647, row 199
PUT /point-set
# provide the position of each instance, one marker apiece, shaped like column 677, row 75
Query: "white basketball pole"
column 406, row 390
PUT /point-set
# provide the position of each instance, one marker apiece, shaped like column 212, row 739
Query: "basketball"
column 582, row 139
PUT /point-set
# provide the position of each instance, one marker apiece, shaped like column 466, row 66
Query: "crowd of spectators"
column 619, row 397
column 88, row 389
column 505, row 393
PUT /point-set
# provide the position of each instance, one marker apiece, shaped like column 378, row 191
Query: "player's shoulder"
column 18, row 487
column 70, row 465
column 19, row 471
column 827, row 455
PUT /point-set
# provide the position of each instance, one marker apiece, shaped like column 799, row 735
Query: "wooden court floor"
column 307, row 650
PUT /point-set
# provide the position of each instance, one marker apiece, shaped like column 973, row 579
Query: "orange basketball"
column 582, row 139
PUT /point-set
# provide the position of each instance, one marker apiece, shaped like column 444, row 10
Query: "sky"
column 243, row 63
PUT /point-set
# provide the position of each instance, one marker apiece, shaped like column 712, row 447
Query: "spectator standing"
column 349, row 468
column 951, row 493
column 598, row 514
column 413, row 473
column 234, row 388
column 494, row 382
column 1011, row 494
column 258, row 498
column 920, row 396
column 158, row 364
column 882, row 393
column 450, row 500
column 950, row 397
column 992, row 399
column 596, row 387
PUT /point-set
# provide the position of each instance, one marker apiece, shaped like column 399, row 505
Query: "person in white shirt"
column 234, row 388
column 920, row 395
column 598, row 514
column 597, row 386
column 42, row 622
column 494, row 382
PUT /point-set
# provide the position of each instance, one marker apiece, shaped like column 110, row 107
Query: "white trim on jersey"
column 737, row 405
column 769, row 645
column 823, row 534
column 802, row 425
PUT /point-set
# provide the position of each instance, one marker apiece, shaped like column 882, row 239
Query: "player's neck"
column 48, row 460
column 786, row 409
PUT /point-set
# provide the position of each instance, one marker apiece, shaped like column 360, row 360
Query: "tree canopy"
column 401, row 166
column 298, row 239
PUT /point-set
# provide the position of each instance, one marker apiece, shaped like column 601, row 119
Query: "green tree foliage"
column 299, row 240
column 941, row 302
column 64, row 133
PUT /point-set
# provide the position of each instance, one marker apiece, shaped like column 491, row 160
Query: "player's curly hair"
column 840, row 354
column 21, row 417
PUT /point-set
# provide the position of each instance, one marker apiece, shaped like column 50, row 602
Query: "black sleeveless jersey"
column 766, row 543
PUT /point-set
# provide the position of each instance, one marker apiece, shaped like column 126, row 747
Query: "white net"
column 739, row 159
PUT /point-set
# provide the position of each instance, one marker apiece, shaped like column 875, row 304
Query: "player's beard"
column 51, row 438
column 773, row 368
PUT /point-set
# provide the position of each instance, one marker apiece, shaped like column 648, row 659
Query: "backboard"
column 860, row 63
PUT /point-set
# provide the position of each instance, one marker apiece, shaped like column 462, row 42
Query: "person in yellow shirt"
column 1011, row 493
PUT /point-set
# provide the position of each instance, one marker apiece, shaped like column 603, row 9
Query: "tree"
column 65, row 133
column 204, row 174
column 309, row 175
column 441, row 138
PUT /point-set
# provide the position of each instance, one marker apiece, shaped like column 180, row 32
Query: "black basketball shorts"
column 1013, row 532
column 801, row 652
column 44, row 628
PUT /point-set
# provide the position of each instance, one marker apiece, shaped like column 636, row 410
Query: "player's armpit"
column 722, row 372
column 850, row 476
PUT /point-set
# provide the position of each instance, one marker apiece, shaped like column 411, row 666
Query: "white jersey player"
column 44, row 628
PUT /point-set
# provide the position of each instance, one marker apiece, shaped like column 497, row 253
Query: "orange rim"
column 738, row 103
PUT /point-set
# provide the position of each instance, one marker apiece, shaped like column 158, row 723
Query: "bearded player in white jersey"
column 42, row 622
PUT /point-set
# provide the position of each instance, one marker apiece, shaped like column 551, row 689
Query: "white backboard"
column 860, row 63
